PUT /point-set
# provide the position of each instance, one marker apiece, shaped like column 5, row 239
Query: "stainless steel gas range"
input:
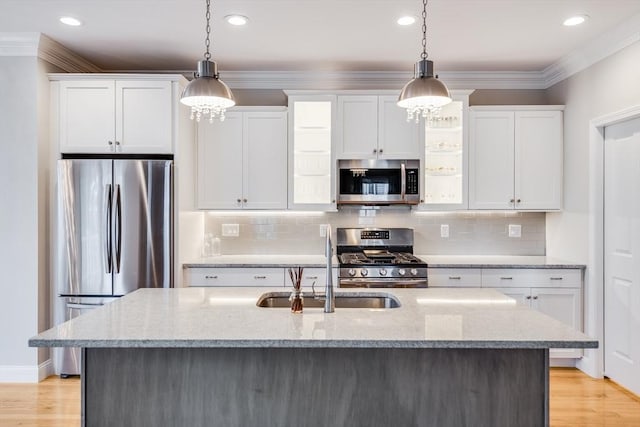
column 379, row 258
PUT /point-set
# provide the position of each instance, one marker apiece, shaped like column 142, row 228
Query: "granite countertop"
column 253, row 261
column 496, row 261
column 229, row 317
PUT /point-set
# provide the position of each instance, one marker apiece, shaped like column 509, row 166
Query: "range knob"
column 364, row 272
column 383, row 272
column 352, row 272
column 414, row 272
column 402, row 272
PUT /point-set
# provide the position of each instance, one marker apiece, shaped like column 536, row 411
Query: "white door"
column 144, row 114
column 397, row 137
column 357, row 127
column 87, row 116
column 265, row 160
column 219, row 184
column 538, row 160
column 491, row 153
column 621, row 243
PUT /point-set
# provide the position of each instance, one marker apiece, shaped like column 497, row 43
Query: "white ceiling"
column 328, row 35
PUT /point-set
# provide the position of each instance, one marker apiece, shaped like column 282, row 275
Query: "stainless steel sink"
column 343, row 300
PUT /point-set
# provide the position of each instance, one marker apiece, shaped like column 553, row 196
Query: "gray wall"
column 471, row 233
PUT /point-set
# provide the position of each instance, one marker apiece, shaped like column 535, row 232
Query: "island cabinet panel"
column 455, row 277
column 315, row 387
column 234, row 277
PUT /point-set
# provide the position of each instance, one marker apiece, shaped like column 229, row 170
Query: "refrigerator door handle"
column 109, row 255
column 118, row 228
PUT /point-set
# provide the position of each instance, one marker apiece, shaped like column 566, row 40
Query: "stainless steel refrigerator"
column 114, row 233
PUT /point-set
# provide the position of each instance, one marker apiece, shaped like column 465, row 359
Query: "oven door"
column 378, row 182
column 351, row 282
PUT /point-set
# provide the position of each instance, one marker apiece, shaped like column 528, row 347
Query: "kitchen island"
column 211, row 356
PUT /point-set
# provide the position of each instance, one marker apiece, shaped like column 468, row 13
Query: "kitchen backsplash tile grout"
column 470, row 233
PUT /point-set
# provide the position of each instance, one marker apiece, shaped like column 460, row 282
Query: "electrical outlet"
column 444, row 231
column 230, row 230
column 323, row 230
column 515, row 230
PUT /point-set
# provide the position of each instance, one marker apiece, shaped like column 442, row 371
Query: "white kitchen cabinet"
column 515, row 158
column 454, row 277
column 374, row 127
column 107, row 115
column 222, row 276
column 554, row 292
column 312, row 164
column 242, row 161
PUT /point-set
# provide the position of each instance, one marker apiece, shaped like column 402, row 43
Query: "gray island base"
column 211, row 357
column 261, row 387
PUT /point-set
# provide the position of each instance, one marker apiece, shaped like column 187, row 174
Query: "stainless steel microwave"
column 379, row 182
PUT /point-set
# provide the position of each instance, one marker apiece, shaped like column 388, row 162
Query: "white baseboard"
column 26, row 373
column 562, row 362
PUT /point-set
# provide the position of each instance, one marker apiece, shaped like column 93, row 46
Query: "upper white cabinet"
column 515, row 158
column 116, row 114
column 312, row 164
column 374, row 127
column 446, row 153
column 242, row 161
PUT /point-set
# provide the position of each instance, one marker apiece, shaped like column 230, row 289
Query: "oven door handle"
column 403, row 182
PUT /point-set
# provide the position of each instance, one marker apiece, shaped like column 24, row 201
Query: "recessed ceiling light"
column 406, row 20
column 575, row 20
column 71, row 21
column 237, row 19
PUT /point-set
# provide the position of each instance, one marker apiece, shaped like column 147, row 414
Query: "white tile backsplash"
column 470, row 233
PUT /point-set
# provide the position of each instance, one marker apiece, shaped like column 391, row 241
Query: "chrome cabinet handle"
column 380, row 151
column 454, row 277
column 518, row 201
column 238, row 200
column 210, row 277
column 556, row 278
column 375, row 151
column 506, row 278
column 259, row 277
column 244, row 200
column 512, row 200
column 528, row 297
column 536, row 297
column 117, row 142
column 110, row 142
column 312, row 277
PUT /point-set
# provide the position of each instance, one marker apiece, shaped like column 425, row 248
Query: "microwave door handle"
column 403, row 181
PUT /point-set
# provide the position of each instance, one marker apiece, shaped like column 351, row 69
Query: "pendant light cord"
column 424, row 30
column 207, row 42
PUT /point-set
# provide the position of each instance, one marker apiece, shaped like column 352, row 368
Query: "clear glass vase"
column 297, row 301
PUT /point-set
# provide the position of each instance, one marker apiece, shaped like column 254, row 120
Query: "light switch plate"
column 515, row 230
column 444, row 231
column 230, row 230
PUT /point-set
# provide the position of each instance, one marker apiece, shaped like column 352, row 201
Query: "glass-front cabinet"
column 445, row 162
column 312, row 184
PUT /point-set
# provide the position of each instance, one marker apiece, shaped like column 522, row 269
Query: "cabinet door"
column 87, row 116
column 491, row 151
column 397, row 137
column 144, row 116
column 521, row 295
column 265, row 160
column 219, row 184
column 357, row 127
column 563, row 304
column 538, row 160
column 312, row 166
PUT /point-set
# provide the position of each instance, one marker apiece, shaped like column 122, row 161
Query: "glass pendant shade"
column 206, row 94
column 425, row 94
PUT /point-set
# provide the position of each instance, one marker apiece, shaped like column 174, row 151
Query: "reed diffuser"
column 296, row 296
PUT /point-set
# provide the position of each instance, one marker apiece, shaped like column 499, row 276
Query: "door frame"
column 593, row 360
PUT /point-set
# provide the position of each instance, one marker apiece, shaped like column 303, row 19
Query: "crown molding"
column 608, row 43
column 41, row 46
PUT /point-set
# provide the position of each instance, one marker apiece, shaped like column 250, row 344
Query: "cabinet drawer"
column 512, row 277
column 454, row 277
column 235, row 277
column 311, row 275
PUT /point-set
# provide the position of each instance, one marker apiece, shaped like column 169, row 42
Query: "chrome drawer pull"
column 506, row 278
column 259, row 277
column 312, row 277
column 556, row 278
column 210, row 277
column 454, row 277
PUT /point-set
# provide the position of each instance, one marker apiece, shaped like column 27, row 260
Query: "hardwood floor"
column 576, row 400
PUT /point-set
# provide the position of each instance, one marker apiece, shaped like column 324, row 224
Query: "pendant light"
column 206, row 94
column 425, row 95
